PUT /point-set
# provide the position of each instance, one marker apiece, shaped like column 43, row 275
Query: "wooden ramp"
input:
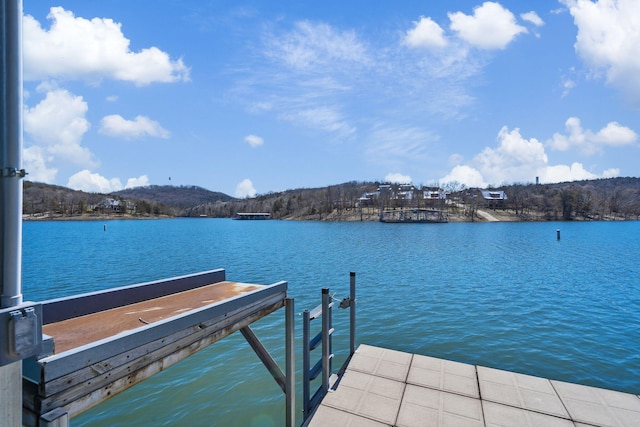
column 102, row 343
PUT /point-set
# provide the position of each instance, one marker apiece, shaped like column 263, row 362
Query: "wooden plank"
column 60, row 309
column 62, row 364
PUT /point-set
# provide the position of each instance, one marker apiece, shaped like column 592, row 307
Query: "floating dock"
column 413, row 216
column 252, row 216
column 383, row 387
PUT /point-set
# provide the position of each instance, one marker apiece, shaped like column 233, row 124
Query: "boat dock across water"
column 413, row 216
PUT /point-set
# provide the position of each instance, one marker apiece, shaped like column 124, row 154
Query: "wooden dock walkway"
column 384, row 387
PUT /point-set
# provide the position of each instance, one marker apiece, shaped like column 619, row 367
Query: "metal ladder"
column 324, row 338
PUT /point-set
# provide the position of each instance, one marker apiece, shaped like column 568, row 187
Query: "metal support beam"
column 306, row 363
column 290, row 363
column 265, row 357
column 352, row 313
column 286, row 382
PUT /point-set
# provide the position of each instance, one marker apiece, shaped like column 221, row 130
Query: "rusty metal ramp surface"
column 82, row 330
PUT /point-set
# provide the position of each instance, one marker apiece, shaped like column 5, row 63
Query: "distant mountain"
column 50, row 201
column 179, row 198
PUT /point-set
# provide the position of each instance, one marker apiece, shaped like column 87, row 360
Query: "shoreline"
column 482, row 216
column 88, row 217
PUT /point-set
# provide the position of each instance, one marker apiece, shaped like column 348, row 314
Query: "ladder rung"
column 316, row 312
column 313, row 373
column 315, row 341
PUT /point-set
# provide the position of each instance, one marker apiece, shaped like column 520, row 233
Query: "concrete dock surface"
column 383, row 387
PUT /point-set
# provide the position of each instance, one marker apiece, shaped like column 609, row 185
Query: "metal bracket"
column 345, row 303
column 10, row 172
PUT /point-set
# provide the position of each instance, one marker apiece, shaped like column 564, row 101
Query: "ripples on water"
column 506, row 295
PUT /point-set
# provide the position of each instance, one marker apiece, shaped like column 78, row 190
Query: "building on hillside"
column 494, row 199
column 368, row 199
column 111, row 205
column 434, row 194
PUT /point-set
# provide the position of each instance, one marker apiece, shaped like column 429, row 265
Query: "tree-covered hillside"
column 601, row 199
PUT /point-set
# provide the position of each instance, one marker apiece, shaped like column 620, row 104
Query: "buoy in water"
column 558, row 234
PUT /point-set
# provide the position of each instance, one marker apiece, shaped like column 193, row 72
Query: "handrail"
column 324, row 364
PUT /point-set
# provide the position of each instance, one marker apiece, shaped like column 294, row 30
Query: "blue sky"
column 252, row 97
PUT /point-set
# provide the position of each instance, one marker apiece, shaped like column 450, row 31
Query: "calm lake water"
column 504, row 295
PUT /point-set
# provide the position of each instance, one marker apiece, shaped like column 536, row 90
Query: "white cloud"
column 611, row 173
column 57, row 125
column 491, row 26
column 388, row 144
column 398, row 178
column 564, row 173
column 455, row 159
column 517, row 159
column 533, row 18
column 425, row 33
column 323, row 118
column 36, row 165
column 254, row 140
column 466, row 175
column 75, row 47
column 608, row 40
column 567, row 85
column 116, row 125
column 588, row 142
column 245, row 189
column 93, row 182
column 613, row 134
column 141, row 181
column 310, row 46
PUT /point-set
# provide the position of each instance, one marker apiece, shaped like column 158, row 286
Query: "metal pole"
column 11, row 154
column 290, row 367
column 326, row 340
column 306, row 363
column 352, row 314
column 11, row 193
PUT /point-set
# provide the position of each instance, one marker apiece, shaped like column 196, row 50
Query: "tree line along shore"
column 590, row 200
